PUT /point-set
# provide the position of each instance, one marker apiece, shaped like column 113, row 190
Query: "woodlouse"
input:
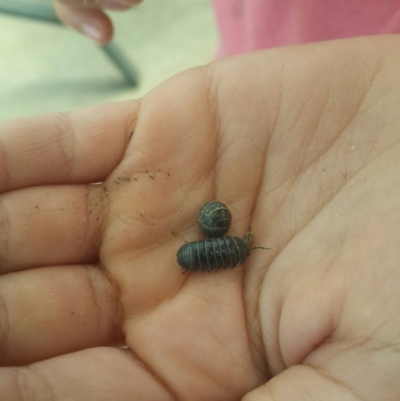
column 214, row 253
column 214, row 219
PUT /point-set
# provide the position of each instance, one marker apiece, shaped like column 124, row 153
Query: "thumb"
column 302, row 383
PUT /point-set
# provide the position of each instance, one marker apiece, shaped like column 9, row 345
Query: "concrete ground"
column 46, row 68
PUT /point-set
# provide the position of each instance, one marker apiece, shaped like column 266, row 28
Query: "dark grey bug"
column 214, row 219
column 213, row 254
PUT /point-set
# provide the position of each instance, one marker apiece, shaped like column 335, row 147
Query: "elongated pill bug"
column 214, row 219
column 213, row 254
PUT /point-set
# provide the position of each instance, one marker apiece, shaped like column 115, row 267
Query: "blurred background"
column 46, row 67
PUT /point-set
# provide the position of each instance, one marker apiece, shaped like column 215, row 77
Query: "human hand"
column 300, row 141
column 89, row 17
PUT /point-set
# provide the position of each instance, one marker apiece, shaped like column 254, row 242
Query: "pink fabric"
column 248, row 25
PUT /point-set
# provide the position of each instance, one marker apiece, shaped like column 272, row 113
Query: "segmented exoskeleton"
column 213, row 254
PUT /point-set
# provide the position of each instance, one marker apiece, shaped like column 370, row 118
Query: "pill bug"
column 213, row 254
column 214, row 219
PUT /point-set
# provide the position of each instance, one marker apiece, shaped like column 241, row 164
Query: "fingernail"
column 92, row 31
column 116, row 4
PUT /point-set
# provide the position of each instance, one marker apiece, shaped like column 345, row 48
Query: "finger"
column 91, row 22
column 76, row 147
column 52, row 225
column 55, row 310
column 300, row 383
column 98, row 374
column 111, row 4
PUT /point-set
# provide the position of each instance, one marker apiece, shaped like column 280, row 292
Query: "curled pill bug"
column 214, row 219
column 215, row 253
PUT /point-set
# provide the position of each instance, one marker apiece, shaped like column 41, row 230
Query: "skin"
column 303, row 142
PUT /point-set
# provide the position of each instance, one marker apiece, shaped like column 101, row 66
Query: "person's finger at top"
column 109, row 4
column 93, row 23
column 65, row 148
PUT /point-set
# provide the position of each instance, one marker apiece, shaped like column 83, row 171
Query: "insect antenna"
column 248, row 238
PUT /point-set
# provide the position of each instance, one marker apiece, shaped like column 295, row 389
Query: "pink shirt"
column 247, row 25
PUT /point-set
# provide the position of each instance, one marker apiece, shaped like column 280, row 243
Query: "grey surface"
column 45, row 68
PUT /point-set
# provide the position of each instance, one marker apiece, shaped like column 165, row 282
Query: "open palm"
column 300, row 142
